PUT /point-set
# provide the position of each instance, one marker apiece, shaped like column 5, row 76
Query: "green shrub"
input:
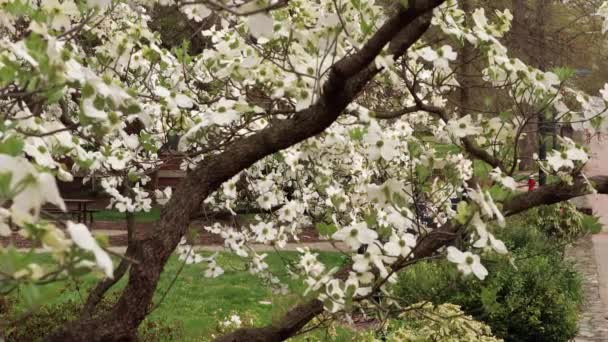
column 537, row 301
column 35, row 326
column 592, row 224
column 561, row 221
column 441, row 323
column 5, row 305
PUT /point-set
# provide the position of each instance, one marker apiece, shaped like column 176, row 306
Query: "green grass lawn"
column 196, row 304
column 115, row 215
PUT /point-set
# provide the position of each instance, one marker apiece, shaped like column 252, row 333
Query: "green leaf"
column 12, row 146
column 488, row 101
column 385, row 232
column 481, row 169
column 462, row 212
column 325, row 229
column 31, row 295
column 505, row 116
column 591, row 224
column 371, row 219
column 132, row 109
column 5, row 184
column 87, row 91
column 564, row 73
column 53, row 95
column 133, row 177
column 7, row 73
column 422, row 172
column 279, row 157
column 356, row 134
column 366, row 27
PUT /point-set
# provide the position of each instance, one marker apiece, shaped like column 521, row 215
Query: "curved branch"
column 554, row 193
column 467, row 142
column 290, row 324
column 346, row 79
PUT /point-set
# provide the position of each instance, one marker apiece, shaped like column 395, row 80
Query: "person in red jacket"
column 531, row 183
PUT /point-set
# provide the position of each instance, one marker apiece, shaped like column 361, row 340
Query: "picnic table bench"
column 76, row 209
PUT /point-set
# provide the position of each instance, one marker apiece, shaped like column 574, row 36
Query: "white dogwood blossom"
column 467, row 262
column 506, row 181
column 400, row 245
column 355, row 235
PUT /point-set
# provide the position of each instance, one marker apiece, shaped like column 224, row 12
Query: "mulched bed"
column 15, row 240
column 203, row 237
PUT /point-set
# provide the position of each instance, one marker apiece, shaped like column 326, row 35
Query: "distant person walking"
column 531, row 183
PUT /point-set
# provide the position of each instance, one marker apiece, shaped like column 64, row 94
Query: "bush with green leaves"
column 534, row 297
column 561, row 221
column 441, row 323
column 35, row 325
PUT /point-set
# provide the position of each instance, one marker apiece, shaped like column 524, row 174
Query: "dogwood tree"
column 326, row 113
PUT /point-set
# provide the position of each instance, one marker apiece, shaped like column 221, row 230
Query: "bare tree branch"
column 554, row 193
column 467, row 142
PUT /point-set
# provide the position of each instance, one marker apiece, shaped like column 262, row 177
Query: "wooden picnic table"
column 81, row 208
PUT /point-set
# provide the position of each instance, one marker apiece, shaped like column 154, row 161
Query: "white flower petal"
column 455, row 256
column 261, row 25
column 479, row 270
column 82, row 237
column 183, row 101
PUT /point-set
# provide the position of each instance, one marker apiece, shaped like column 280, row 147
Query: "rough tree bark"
column 347, row 78
column 554, row 193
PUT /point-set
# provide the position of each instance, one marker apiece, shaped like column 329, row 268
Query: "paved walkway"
column 591, row 255
column 598, row 165
column 593, row 326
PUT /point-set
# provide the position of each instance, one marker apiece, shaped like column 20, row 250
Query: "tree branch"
column 554, row 193
column 467, row 142
column 346, row 79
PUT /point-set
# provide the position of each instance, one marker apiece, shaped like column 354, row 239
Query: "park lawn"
column 115, row 215
column 195, row 304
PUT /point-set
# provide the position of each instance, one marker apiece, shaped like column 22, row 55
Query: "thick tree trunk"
column 151, row 253
column 519, row 43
